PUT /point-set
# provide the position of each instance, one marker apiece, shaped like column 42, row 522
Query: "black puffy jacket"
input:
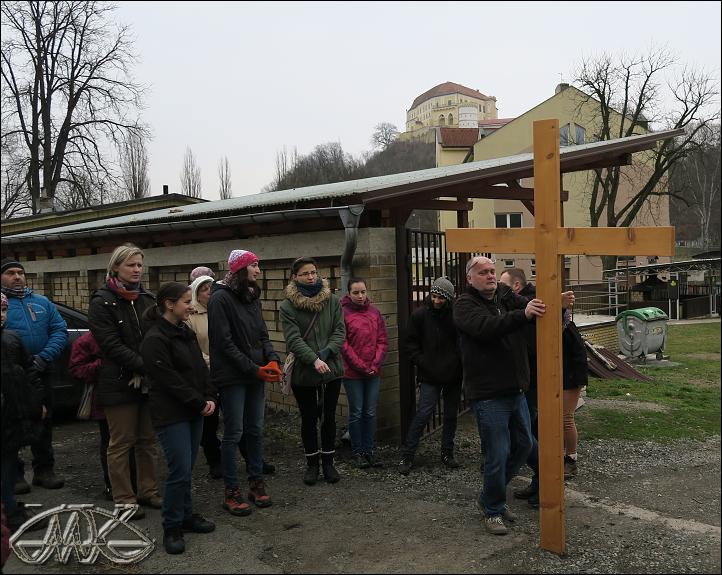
column 177, row 373
column 22, row 398
column 238, row 338
column 118, row 328
column 493, row 344
column 432, row 343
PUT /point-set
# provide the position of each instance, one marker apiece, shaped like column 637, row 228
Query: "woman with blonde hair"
column 115, row 316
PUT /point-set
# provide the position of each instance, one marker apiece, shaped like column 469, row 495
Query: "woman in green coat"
column 318, row 369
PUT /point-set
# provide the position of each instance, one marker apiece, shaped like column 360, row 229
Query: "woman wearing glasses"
column 314, row 330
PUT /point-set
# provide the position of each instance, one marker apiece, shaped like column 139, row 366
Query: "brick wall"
column 72, row 280
column 602, row 334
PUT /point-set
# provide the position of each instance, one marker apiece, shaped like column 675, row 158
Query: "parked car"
column 66, row 390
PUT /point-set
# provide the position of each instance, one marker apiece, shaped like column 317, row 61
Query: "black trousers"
column 316, row 403
column 42, row 448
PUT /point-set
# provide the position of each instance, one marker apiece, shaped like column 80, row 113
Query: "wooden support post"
column 548, row 336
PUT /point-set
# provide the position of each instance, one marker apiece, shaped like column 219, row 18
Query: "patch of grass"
column 690, row 391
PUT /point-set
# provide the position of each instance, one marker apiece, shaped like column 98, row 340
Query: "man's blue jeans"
column 506, row 435
column 180, row 443
column 428, row 397
column 243, row 407
column 362, row 395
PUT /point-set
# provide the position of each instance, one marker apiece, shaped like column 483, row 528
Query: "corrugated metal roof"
column 372, row 189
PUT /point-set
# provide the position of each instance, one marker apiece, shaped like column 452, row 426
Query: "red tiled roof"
column 459, row 137
column 495, row 122
column 448, row 88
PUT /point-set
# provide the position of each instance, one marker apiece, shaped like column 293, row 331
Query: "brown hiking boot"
column 257, row 493
column 570, row 467
column 234, row 503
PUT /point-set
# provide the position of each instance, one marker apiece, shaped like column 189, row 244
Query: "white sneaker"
column 495, row 525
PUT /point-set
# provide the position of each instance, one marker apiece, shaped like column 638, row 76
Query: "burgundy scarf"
column 130, row 292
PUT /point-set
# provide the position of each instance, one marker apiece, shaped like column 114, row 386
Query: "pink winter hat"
column 240, row 259
column 201, row 271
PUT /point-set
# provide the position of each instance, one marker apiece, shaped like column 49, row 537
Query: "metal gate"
column 427, row 260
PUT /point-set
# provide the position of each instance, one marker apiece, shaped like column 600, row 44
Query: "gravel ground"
column 636, row 507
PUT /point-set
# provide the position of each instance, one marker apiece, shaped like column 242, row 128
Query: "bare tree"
column 15, row 195
column 628, row 94
column 190, row 176
column 695, row 181
column 134, row 167
column 66, row 89
column 384, row 135
column 224, row 176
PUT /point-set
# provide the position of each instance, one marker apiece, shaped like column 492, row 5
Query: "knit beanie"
column 443, row 287
column 240, row 259
column 201, row 271
column 8, row 263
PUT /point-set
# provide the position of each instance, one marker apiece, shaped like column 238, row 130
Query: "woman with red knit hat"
column 242, row 362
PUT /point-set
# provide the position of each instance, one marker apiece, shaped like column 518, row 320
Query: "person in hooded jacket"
column 242, row 362
column 432, row 344
column 181, row 395
column 318, row 370
column 363, row 354
column 114, row 317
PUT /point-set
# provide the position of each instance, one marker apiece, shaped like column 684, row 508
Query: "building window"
column 441, row 120
column 449, row 102
column 481, row 108
column 450, row 120
column 564, row 135
column 532, row 275
column 580, row 134
column 508, row 220
column 508, row 263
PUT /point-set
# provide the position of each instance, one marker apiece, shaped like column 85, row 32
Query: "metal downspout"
column 350, row 217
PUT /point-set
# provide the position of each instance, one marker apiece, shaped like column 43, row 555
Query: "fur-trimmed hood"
column 300, row 301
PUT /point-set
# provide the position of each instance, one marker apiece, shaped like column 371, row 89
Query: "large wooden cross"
column 551, row 242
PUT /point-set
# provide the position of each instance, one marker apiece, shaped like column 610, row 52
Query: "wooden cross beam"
column 551, row 242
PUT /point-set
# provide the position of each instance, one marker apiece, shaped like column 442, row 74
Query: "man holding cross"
column 491, row 320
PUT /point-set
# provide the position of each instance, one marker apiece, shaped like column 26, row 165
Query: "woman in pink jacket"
column 363, row 354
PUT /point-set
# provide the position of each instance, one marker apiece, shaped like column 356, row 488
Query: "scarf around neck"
column 129, row 292
column 19, row 293
column 310, row 290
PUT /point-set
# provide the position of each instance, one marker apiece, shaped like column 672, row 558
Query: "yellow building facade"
column 448, row 104
column 578, row 119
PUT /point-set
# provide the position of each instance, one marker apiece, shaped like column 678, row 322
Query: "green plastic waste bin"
column 642, row 331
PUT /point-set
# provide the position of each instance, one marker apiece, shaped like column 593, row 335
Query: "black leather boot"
column 329, row 471
column 310, row 476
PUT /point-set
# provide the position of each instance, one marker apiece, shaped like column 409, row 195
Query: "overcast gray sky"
column 245, row 79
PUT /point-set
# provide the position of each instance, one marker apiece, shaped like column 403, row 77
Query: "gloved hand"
column 274, row 364
column 269, row 373
column 135, row 381
column 39, row 364
column 36, row 370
